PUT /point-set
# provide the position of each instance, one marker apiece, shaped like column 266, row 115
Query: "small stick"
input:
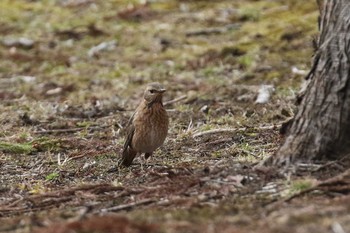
column 219, row 141
column 70, row 130
column 233, row 130
column 58, row 131
column 175, row 100
column 130, row 205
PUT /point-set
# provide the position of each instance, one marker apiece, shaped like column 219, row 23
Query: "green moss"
column 17, row 148
column 273, row 75
column 246, row 61
column 250, row 14
column 225, row 120
column 47, row 144
column 206, row 127
column 52, row 176
column 216, row 154
column 299, row 186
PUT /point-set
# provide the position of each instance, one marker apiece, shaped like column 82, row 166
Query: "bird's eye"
column 152, row 91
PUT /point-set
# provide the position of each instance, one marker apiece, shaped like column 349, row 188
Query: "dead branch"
column 128, row 206
column 233, row 130
column 216, row 142
column 70, row 130
column 175, row 100
column 343, row 178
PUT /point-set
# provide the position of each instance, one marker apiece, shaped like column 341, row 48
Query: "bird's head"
column 154, row 93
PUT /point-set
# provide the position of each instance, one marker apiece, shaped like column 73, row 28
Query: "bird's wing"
column 131, row 119
column 130, row 132
column 129, row 137
column 128, row 153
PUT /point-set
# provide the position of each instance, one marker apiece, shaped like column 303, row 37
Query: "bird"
column 147, row 127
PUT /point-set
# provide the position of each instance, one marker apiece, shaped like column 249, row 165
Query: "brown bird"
column 147, row 127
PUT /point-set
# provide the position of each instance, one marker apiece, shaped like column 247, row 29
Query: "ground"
column 73, row 71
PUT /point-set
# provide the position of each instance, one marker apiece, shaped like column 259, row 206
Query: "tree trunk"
column 321, row 127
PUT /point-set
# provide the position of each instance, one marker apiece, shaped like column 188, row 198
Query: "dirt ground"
column 73, row 71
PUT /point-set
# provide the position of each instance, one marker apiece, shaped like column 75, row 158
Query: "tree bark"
column 321, row 126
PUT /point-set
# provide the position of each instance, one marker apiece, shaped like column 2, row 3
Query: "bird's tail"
column 128, row 156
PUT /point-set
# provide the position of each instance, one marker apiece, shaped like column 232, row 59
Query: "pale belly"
column 149, row 140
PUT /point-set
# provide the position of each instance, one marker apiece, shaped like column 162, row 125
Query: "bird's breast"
column 151, row 128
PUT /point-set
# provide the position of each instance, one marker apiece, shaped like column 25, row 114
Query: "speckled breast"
column 151, row 128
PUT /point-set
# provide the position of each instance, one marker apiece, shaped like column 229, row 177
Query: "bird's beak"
column 162, row 90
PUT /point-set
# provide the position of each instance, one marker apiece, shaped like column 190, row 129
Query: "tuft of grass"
column 246, row 61
column 250, row 14
column 39, row 144
column 37, row 188
column 46, row 144
column 17, row 148
column 85, row 124
column 52, row 176
column 298, row 186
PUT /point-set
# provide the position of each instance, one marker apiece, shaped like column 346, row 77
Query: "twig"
column 37, row 163
column 190, row 126
column 13, row 203
column 336, row 162
column 219, row 141
column 77, row 156
column 175, row 100
column 66, row 159
column 70, row 130
column 94, row 188
column 130, row 205
column 233, row 130
column 59, row 131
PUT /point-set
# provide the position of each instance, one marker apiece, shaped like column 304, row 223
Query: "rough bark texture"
column 321, row 127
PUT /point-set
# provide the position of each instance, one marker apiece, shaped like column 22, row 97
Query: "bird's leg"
column 143, row 161
column 147, row 155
